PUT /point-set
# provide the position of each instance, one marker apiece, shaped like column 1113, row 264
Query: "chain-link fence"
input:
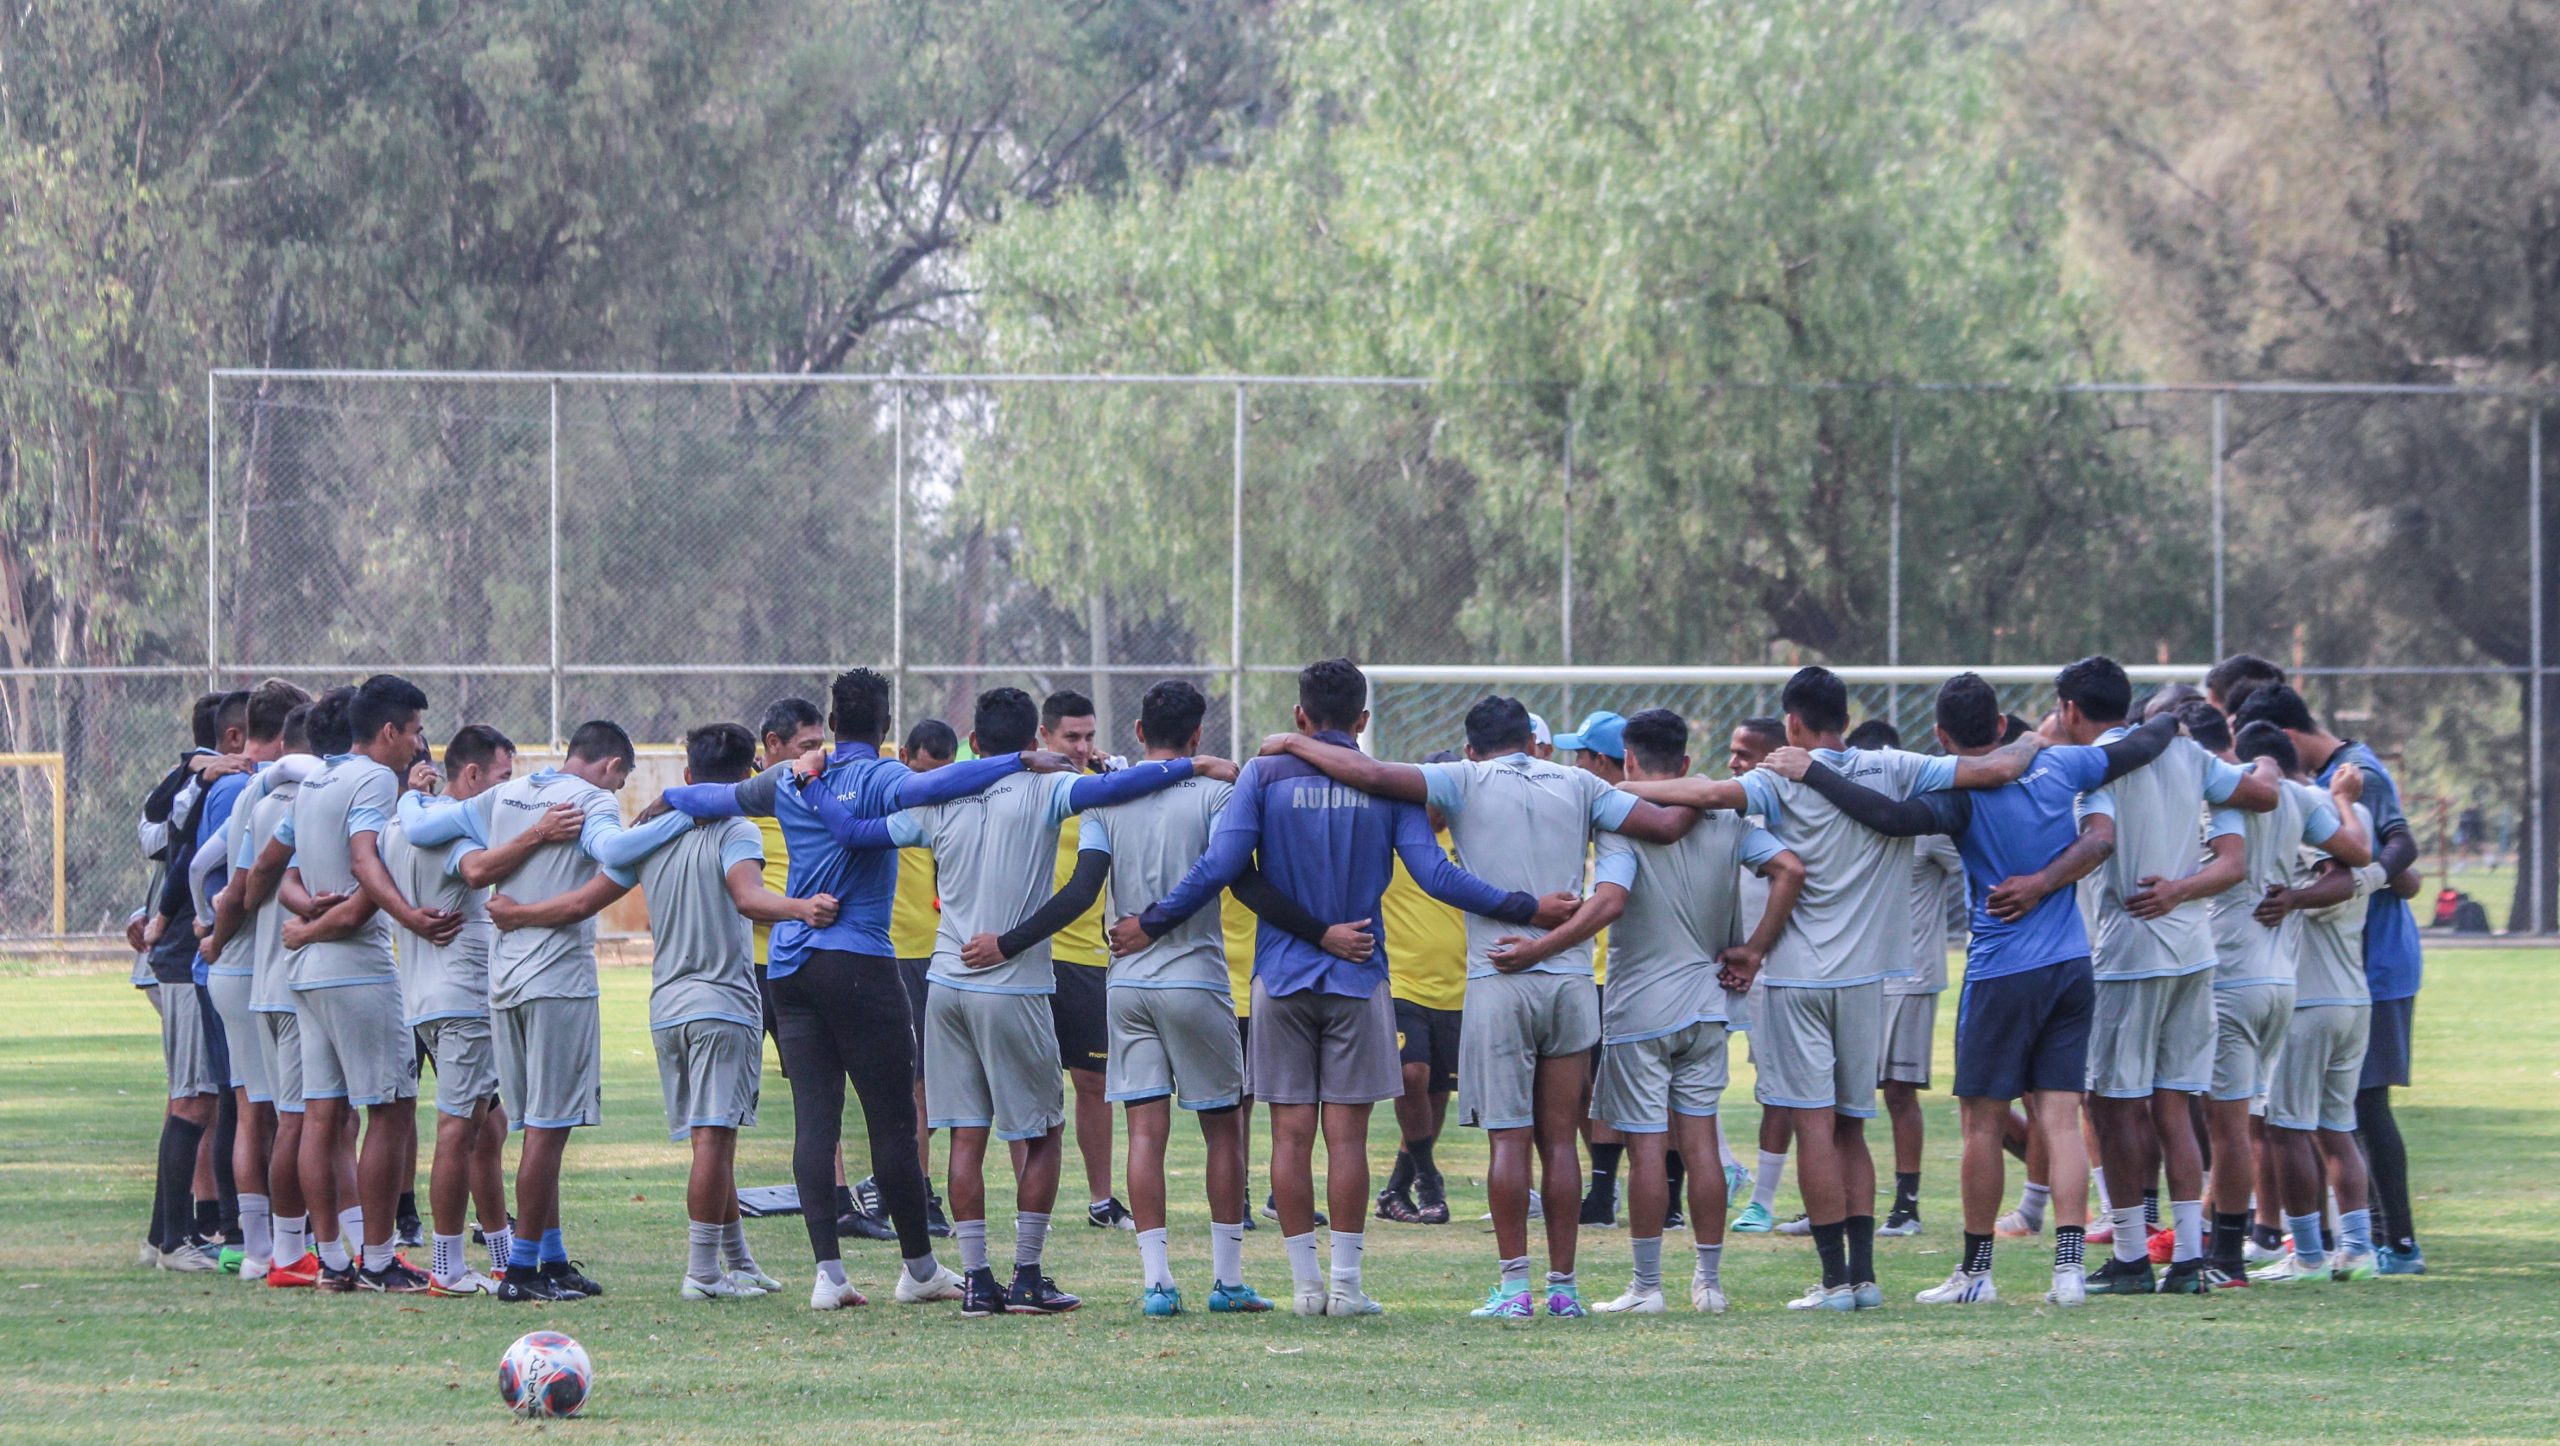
column 538, row 549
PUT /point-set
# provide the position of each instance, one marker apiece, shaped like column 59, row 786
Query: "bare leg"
column 1150, row 1122
column 1293, row 1170
column 2181, row 1160
column 1346, row 1168
column 1093, row 1132
column 489, row 1166
column 1223, row 1132
column 1820, row 1171
column 2056, row 1114
column 537, row 1181
column 2235, row 1173
column 966, row 1157
column 1695, row 1135
column 390, row 1150
column 1506, row 1188
column 321, row 1132
column 1902, row 1106
column 1562, row 1095
column 1983, row 1176
column 711, row 1190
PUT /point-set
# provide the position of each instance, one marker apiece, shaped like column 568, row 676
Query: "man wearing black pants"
column 841, row 1011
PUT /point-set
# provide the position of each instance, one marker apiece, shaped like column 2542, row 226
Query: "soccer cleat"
column 409, row 1233
column 1035, row 1294
column 1867, row 1295
column 1161, row 1301
column 1501, row 1304
column 1673, row 1217
column 517, row 1285
column 1271, row 1211
column 944, row 1284
column 397, row 1278
column 2252, row 1253
column 1900, row 1223
column 189, row 1258
column 1961, row 1287
column 1635, row 1302
column 230, row 1258
column 469, row 1282
column 1737, row 1182
column 340, row 1279
column 861, row 1224
column 2185, row 1278
column 981, row 1296
column 1754, row 1220
column 304, row 1273
column 1310, row 1300
column 1705, row 1298
column 2392, row 1260
column 2070, row 1287
column 1841, row 1298
column 1800, row 1226
column 1565, row 1302
column 1236, row 1300
column 1352, row 1302
column 150, row 1257
column 2293, row 1270
column 1431, row 1197
column 2217, row 1278
column 1600, row 1207
column 828, row 1294
column 2101, row 1231
column 936, row 1224
column 2014, row 1226
column 2354, row 1265
column 2161, row 1245
column 866, row 1197
column 1111, row 1215
column 1397, row 1206
column 723, row 1288
column 254, row 1268
column 571, row 1275
column 2121, row 1277
column 752, row 1275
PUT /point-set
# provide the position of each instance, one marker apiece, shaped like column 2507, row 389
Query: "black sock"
column 208, row 1218
column 1676, row 1172
column 1423, row 1166
column 1862, row 1248
column 2151, row 1208
column 2229, row 1229
column 226, row 1190
column 844, row 1199
column 1604, row 1162
column 408, row 1206
column 1828, row 1240
column 2070, row 1249
column 178, row 1140
column 1400, row 1179
column 2267, row 1236
column 1906, row 1192
column 1977, row 1253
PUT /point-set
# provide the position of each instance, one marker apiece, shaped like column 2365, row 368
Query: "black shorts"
column 1429, row 1036
column 2023, row 1032
column 912, row 972
column 2386, row 1050
column 1082, row 1009
column 764, row 991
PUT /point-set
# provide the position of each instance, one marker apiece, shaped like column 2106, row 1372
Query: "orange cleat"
column 304, row 1272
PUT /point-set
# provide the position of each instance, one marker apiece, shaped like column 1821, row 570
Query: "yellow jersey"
column 1079, row 942
column 1600, row 960
column 1426, row 942
column 914, row 915
column 777, row 877
column 1239, row 923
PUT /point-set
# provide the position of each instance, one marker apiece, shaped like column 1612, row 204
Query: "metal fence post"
column 898, row 552
column 558, row 740
column 2220, row 401
column 1235, row 590
column 2541, row 891
column 212, row 534
column 1572, row 423
column 1893, row 570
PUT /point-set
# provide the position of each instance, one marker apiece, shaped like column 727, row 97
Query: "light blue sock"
column 553, row 1252
column 522, row 1254
column 2355, row 1231
column 2308, row 1246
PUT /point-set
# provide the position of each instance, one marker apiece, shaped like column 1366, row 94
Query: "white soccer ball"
column 545, row 1374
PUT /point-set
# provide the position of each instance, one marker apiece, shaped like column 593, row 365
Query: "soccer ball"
column 545, row 1374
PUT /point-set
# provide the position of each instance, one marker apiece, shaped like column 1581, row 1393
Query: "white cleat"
column 2014, row 1226
column 1634, row 1302
column 189, row 1258
column 2070, row 1287
column 830, row 1295
column 1822, row 1297
column 254, row 1268
column 2256, row 1254
column 1708, row 1299
column 469, row 1282
column 1354, row 1301
column 945, row 1284
column 150, row 1258
column 2101, row 1231
column 1310, row 1300
column 1961, row 1287
column 1801, row 1225
column 722, row 1288
column 751, row 1276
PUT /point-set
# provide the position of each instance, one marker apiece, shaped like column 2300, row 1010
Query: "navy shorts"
column 215, row 1044
column 2386, row 1051
column 2022, row 1032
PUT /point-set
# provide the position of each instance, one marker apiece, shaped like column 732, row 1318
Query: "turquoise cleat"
column 1754, row 1220
column 1500, row 1304
column 1243, row 1299
column 1162, row 1300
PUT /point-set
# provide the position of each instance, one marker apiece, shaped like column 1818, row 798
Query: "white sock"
column 1515, row 1275
column 2031, row 1204
column 1710, row 1263
column 2186, row 1218
column 702, row 1250
column 1303, row 1268
column 293, row 1238
column 1560, row 1277
column 1648, row 1254
column 2098, row 1188
column 2132, row 1241
column 831, row 1271
column 257, row 1232
column 1764, row 1182
column 1093, row 1205
column 1226, row 1253
column 378, row 1257
column 447, row 1264
column 333, row 1253
column 502, row 1243
column 733, row 1247
column 1030, row 1237
column 1151, row 1257
column 351, row 1226
column 1347, row 1246
column 972, row 1235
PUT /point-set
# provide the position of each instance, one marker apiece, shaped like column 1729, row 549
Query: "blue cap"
column 1601, row 732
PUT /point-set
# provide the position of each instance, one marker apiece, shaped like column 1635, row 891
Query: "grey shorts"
column 2152, row 1034
column 354, row 1045
column 1179, row 1042
column 2317, row 1070
column 278, row 1038
column 550, row 1062
column 186, row 1044
column 466, row 1063
column 2248, row 1028
column 1910, row 1035
column 991, row 1063
column 1643, row 1082
column 240, row 1032
column 710, row 1071
column 1314, row 1048
column 1511, row 1021
column 1816, row 1049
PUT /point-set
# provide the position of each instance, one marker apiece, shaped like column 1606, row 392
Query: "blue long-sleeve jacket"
column 1332, row 849
column 1092, row 790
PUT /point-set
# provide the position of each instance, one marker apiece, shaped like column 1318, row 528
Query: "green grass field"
column 100, row 1350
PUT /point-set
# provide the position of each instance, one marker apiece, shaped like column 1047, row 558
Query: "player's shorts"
column 1816, row 1049
column 354, row 1045
column 186, row 1043
column 991, row 1063
column 230, row 993
column 2317, row 1070
column 2386, row 1057
column 465, row 1056
column 2024, row 1032
column 1643, row 1082
column 279, row 1043
column 912, row 973
column 550, row 1062
column 1428, row 1036
column 1080, row 1013
column 710, row 1071
column 1178, row 1042
column 2152, row 1034
column 1510, row 1023
column 773, row 1016
column 1910, row 1035
column 2249, row 1024
column 1315, row 1048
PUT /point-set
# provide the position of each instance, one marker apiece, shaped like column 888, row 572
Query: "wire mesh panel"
column 117, row 735
column 27, row 850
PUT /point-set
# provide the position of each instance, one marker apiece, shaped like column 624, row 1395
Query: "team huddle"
column 2189, row 963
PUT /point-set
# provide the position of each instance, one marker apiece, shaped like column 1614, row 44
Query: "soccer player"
column 1526, row 1039
column 992, row 1041
column 2392, row 963
column 840, row 1003
column 1753, row 739
column 913, row 918
column 2229, row 683
column 2311, row 1100
column 2152, row 1041
column 438, row 855
column 1674, row 911
column 1427, row 976
column 2023, row 1024
column 1598, row 748
column 1323, row 1044
column 1082, row 1004
column 1819, row 1033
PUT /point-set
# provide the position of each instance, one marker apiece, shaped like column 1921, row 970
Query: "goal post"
column 20, row 830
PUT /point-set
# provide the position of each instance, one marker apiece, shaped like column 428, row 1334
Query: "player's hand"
column 1739, row 966
column 2272, row 909
column 296, row 933
column 318, row 904
column 505, row 913
column 1555, row 908
column 202, row 929
column 1514, row 952
column 209, row 767
column 658, row 808
column 137, row 934
column 2016, row 896
column 422, row 777
column 2346, row 786
column 560, row 823
column 1208, row 765
column 1788, row 763
column 1351, row 942
column 818, row 910
column 153, row 929
column 808, row 764
column 1275, row 744
column 208, row 950
column 1044, row 760
column 2154, row 898
column 982, row 952
column 1127, row 938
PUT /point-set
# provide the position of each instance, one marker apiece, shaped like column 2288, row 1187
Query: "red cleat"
column 304, row 1272
column 2163, row 1245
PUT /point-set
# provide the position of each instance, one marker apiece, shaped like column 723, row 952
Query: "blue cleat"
column 1500, row 1304
column 1242, row 1299
column 2392, row 1260
column 1162, row 1300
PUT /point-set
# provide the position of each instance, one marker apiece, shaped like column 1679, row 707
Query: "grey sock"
column 923, row 1267
column 1030, row 1237
column 702, row 1250
column 1648, row 1263
column 972, row 1235
column 1711, row 1264
column 832, row 1271
column 733, row 1246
